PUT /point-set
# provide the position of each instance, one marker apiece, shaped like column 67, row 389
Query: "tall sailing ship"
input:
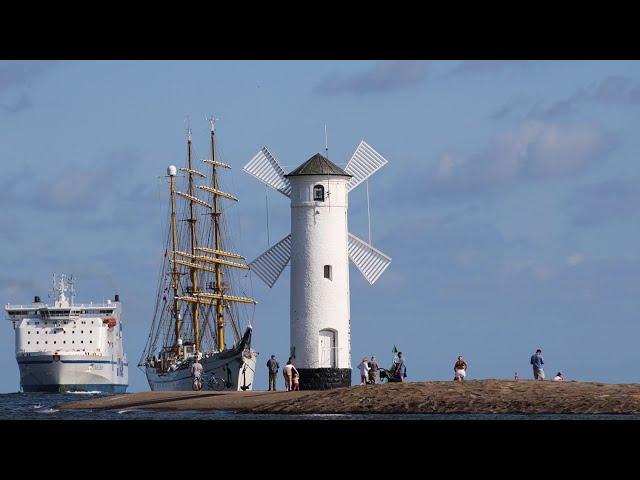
column 201, row 308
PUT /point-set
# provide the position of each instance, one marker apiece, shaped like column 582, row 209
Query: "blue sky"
column 509, row 203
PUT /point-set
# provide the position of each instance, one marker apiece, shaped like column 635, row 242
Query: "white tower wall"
column 319, row 237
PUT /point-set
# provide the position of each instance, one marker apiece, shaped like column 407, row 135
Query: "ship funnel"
column 36, row 299
column 117, row 298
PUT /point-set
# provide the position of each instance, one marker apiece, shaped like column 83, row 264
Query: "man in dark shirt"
column 401, row 368
column 273, row 366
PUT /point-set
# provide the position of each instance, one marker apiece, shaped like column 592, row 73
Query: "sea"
column 43, row 406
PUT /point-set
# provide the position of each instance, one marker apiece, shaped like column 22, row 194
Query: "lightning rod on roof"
column 326, row 142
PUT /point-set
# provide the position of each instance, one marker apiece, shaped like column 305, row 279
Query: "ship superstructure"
column 68, row 346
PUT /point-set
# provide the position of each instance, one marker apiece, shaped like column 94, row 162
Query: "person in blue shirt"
column 537, row 362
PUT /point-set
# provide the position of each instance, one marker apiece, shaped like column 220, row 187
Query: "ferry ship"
column 69, row 347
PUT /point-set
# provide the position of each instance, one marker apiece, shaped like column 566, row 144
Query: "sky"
column 509, row 203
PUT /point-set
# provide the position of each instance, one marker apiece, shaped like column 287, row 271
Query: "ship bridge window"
column 318, row 193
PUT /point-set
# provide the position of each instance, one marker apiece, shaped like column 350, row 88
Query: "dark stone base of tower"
column 324, row 378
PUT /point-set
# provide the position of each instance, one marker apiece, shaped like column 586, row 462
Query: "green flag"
column 395, row 350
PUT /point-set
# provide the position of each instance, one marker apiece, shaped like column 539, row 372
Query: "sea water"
column 42, row 406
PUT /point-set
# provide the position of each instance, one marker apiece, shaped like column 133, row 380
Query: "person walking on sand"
column 373, row 371
column 460, row 369
column 364, row 371
column 273, row 366
column 537, row 362
column 289, row 371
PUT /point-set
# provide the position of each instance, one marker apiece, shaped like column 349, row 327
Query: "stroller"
column 390, row 375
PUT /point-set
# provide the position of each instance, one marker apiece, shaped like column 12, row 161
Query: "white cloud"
column 382, row 77
column 575, row 259
column 534, row 150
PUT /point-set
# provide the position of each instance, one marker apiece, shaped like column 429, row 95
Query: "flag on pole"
column 395, row 350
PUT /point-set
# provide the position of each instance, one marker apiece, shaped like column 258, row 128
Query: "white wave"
column 37, row 406
column 92, row 392
column 49, row 410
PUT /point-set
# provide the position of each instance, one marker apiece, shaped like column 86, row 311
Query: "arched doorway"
column 327, row 349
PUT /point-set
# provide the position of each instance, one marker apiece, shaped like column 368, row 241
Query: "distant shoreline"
column 473, row 396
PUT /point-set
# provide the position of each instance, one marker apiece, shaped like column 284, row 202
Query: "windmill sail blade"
column 370, row 261
column 270, row 264
column 266, row 168
column 364, row 162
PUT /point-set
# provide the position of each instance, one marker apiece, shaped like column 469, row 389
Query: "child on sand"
column 296, row 381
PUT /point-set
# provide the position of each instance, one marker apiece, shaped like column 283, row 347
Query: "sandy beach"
column 475, row 396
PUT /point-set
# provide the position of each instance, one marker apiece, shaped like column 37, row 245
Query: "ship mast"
column 215, row 214
column 174, row 237
column 193, row 238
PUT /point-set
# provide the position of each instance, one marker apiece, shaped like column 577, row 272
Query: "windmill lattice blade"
column 270, row 264
column 364, row 162
column 266, row 168
column 370, row 261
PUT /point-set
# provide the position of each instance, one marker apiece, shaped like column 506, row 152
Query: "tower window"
column 318, row 193
column 327, row 272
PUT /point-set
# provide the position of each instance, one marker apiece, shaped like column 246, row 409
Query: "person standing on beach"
column 196, row 373
column 537, row 362
column 273, row 366
column 401, row 368
column 364, row 371
column 460, row 369
column 373, row 372
column 288, row 373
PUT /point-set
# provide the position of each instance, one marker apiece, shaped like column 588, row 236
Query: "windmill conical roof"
column 318, row 165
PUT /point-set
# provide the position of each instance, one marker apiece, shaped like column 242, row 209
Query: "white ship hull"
column 63, row 373
column 237, row 370
column 68, row 346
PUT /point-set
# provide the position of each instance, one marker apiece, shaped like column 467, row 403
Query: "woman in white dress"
column 364, row 371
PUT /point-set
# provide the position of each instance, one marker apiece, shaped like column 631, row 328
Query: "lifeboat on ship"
column 110, row 322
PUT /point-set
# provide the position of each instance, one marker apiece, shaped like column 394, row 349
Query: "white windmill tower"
column 319, row 248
